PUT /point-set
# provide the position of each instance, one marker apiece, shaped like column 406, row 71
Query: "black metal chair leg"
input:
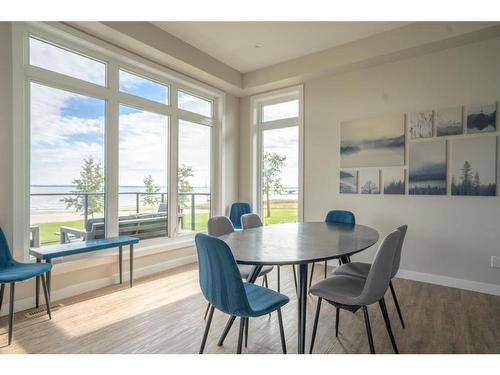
column 282, row 332
column 315, row 326
column 279, row 278
column 206, row 311
column 247, row 321
column 295, row 278
column 11, row 311
column 226, row 330
column 383, row 308
column 312, row 273
column 337, row 320
column 326, row 267
column 265, row 281
column 368, row 330
column 46, row 294
column 207, row 328
column 397, row 304
column 2, row 290
column 240, row 335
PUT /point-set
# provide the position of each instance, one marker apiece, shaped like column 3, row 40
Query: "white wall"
column 450, row 237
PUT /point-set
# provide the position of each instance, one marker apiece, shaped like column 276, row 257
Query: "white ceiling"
column 234, row 43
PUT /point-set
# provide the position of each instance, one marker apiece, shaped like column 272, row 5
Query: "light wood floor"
column 164, row 314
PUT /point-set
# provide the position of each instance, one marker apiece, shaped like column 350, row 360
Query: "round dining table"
column 297, row 244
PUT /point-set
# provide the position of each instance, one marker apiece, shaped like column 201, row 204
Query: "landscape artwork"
column 374, row 142
column 348, row 181
column 394, row 180
column 474, row 166
column 481, row 118
column 449, row 121
column 369, row 181
column 427, row 175
column 420, row 124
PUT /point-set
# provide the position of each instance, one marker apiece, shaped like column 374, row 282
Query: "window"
column 100, row 155
column 277, row 162
column 50, row 57
column 135, row 85
column 194, row 104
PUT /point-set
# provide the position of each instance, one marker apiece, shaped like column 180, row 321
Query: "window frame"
column 257, row 102
column 115, row 58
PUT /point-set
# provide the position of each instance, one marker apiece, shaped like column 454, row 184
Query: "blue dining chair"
column 336, row 217
column 12, row 272
column 238, row 209
column 223, row 288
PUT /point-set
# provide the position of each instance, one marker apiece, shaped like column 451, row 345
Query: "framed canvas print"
column 420, row 124
column 427, row 175
column 348, row 181
column 375, row 142
column 474, row 166
column 481, row 118
column 394, row 180
column 369, row 181
column 449, row 121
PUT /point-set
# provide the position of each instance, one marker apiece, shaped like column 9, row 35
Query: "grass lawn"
column 281, row 212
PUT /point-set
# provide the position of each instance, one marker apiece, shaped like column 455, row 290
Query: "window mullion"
column 173, row 158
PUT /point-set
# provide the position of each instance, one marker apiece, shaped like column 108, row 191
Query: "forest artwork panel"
column 374, row 142
column 427, row 164
column 394, row 180
column 369, row 181
column 420, row 124
column 348, row 181
column 449, row 121
column 481, row 118
column 474, row 166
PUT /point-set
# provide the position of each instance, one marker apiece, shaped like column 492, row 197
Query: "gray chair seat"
column 342, row 289
column 356, row 269
column 246, row 270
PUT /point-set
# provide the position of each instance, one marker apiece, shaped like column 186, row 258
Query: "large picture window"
column 102, row 132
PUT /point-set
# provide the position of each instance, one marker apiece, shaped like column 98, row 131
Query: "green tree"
column 466, row 177
column 273, row 164
column 476, row 183
column 151, row 199
column 91, row 181
column 183, row 174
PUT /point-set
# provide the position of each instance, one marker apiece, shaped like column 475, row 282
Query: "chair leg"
column 240, row 335
column 46, row 294
column 326, row 268
column 207, row 328
column 312, row 273
column 11, row 311
column 206, row 311
column 295, row 277
column 247, row 321
column 315, row 326
column 368, row 330
column 2, row 290
column 282, row 332
column 266, row 282
column 229, row 324
column 397, row 304
column 278, row 269
column 337, row 321
column 383, row 308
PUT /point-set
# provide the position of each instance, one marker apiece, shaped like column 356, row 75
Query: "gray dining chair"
column 220, row 226
column 361, row 270
column 249, row 221
column 352, row 293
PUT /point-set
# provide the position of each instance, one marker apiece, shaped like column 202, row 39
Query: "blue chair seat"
column 22, row 271
column 263, row 301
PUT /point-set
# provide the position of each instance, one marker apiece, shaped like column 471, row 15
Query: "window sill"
column 144, row 248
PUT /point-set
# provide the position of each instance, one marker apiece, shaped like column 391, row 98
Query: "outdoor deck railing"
column 163, row 197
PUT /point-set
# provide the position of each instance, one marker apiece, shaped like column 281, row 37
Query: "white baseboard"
column 73, row 290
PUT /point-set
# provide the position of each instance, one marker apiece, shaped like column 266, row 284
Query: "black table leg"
column 49, row 279
column 120, row 262
column 131, row 264
column 251, row 279
column 37, row 288
column 302, row 308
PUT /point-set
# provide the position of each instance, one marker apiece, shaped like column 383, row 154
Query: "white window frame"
column 115, row 58
column 257, row 102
